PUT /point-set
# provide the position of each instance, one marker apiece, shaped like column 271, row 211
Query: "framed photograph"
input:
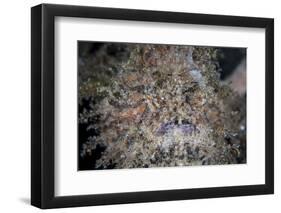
column 139, row 106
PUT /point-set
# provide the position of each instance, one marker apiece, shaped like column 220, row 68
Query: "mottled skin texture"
column 159, row 105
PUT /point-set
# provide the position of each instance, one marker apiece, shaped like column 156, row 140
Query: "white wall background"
column 15, row 105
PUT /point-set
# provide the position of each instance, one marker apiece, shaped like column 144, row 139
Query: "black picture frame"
column 43, row 102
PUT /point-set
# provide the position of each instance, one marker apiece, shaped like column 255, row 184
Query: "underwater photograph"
column 160, row 105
